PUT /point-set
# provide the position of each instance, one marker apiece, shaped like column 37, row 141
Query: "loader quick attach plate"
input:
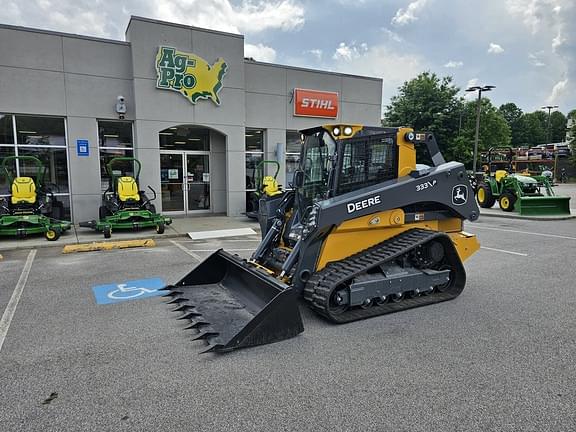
column 232, row 304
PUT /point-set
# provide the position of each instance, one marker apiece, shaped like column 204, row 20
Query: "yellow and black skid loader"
column 366, row 231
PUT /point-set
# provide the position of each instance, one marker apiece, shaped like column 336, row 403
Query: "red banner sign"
column 313, row 103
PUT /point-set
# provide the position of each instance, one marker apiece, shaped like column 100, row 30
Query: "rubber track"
column 321, row 285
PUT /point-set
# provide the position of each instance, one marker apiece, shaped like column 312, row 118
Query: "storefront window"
column 115, row 140
column 6, row 151
column 43, row 138
column 6, row 129
column 44, row 131
column 54, row 160
column 114, row 134
column 185, row 138
column 254, row 155
column 293, row 146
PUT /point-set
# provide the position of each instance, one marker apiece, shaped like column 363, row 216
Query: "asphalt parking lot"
column 500, row 357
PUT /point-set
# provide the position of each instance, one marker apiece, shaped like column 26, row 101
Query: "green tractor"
column 31, row 206
column 265, row 185
column 527, row 195
column 124, row 206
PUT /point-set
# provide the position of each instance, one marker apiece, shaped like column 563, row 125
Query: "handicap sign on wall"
column 82, row 147
column 129, row 290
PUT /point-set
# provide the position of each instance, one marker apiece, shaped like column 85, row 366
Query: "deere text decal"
column 189, row 74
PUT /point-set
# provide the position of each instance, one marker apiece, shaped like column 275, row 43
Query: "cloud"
column 260, row 52
column 393, row 36
column 80, row 17
column 247, row 17
column 535, row 60
column 316, row 53
column 382, row 62
column 109, row 19
column 454, row 64
column 553, row 17
column 408, row 15
column 349, row 52
column 495, row 49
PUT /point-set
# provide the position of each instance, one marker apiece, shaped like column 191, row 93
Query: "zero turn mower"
column 31, row 205
column 124, row 206
column 265, row 185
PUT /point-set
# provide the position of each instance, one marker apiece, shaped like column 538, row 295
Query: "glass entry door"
column 198, row 181
column 185, row 181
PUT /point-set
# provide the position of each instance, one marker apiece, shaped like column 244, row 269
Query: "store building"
column 183, row 100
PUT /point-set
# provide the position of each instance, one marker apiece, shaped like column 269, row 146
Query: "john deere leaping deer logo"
column 189, row 74
column 459, row 194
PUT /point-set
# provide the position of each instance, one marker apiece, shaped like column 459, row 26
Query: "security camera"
column 121, row 106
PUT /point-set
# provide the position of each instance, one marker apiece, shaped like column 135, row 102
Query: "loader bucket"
column 543, row 205
column 232, row 304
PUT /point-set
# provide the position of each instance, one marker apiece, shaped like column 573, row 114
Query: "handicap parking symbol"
column 129, row 290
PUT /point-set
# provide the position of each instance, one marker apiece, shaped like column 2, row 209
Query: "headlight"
column 347, row 130
column 312, row 221
column 336, row 131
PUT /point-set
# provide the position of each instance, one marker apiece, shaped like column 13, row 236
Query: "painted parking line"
column 504, row 251
column 129, row 290
column 186, row 250
column 13, row 303
column 522, row 232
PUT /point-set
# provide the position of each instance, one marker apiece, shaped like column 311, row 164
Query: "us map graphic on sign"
column 188, row 74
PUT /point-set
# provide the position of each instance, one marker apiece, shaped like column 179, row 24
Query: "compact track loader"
column 366, row 231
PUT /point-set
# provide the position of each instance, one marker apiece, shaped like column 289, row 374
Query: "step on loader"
column 365, row 232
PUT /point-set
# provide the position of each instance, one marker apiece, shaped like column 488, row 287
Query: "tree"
column 571, row 136
column 557, row 127
column 494, row 131
column 516, row 121
column 535, row 124
column 429, row 103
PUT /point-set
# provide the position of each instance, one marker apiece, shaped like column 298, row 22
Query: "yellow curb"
column 109, row 245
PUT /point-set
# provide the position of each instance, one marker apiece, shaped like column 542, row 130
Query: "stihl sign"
column 313, row 103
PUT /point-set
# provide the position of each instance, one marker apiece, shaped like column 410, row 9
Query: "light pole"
column 480, row 89
column 549, row 108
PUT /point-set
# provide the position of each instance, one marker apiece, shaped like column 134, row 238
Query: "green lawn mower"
column 31, row 207
column 124, row 206
column 527, row 195
column 265, row 185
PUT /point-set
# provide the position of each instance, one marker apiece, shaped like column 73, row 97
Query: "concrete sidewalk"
column 179, row 228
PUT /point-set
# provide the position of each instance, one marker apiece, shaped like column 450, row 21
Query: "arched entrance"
column 186, row 166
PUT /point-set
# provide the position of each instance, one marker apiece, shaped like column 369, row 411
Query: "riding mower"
column 31, row 205
column 124, row 206
column 528, row 195
column 266, row 186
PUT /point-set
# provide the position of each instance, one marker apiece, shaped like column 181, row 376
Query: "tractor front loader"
column 365, row 232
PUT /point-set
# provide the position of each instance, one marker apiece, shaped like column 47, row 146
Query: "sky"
column 526, row 48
